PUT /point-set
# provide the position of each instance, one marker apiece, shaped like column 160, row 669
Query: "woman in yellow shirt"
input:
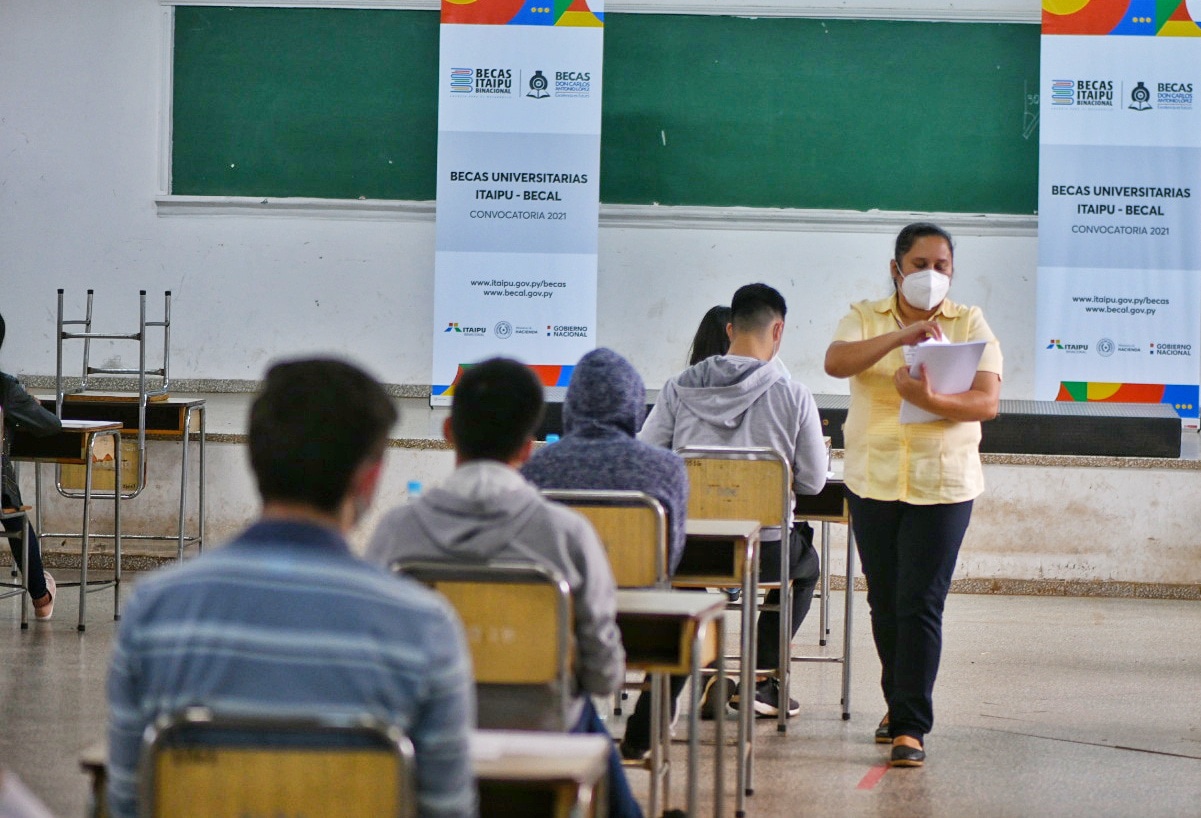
column 911, row 486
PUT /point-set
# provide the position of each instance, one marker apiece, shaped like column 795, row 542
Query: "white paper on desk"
column 951, row 369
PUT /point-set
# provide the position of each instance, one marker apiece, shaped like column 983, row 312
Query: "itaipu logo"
column 455, row 326
column 1060, row 345
column 1063, row 92
column 461, row 80
column 1140, row 98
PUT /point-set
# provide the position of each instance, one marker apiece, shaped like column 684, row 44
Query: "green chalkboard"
column 332, row 103
column 698, row 110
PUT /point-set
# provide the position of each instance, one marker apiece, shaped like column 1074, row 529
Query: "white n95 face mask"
column 925, row 289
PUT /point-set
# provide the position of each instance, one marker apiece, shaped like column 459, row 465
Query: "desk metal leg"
column 85, row 536
column 200, row 507
column 746, row 733
column 657, row 739
column 846, row 627
column 719, row 787
column 116, row 529
column 824, row 627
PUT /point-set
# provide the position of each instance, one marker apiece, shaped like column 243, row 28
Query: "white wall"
column 81, row 108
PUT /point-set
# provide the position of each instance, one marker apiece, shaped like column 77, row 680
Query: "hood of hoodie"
column 606, row 395
column 719, row 390
column 478, row 511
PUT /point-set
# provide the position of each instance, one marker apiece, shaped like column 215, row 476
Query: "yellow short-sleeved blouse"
column 919, row 463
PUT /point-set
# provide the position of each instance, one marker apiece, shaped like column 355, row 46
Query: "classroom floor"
column 1045, row 706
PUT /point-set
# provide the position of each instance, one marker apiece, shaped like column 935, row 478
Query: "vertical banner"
column 1119, row 203
column 519, row 114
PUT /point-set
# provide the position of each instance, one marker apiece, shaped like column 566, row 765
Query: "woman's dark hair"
column 1, row 330
column 711, row 338
column 911, row 233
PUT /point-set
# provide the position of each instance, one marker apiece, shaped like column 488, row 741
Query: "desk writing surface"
column 658, row 628
column 828, row 505
column 504, row 755
column 721, row 528
column 667, row 604
column 513, row 755
column 68, row 446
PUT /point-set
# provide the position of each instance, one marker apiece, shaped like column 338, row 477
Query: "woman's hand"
column 917, row 332
column 915, row 390
column 847, row 358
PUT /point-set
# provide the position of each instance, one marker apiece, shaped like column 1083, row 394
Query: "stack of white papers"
column 950, row 367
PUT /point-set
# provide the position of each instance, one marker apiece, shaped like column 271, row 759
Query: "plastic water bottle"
column 413, row 489
column 552, row 438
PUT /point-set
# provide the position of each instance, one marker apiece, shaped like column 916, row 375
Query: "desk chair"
column 21, row 587
column 518, row 622
column 751, row 483
column 632, row 525
column 200, row 763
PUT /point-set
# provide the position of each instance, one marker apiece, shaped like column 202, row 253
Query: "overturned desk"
column 166, row 418
column 77, row 445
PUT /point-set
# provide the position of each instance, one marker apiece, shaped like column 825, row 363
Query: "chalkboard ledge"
column 616, row 215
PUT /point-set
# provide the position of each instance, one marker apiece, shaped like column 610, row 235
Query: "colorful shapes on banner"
column 481, row 12
column 1183, row 21
column 1137, row 18
column 548, row 374
column 1138, row 21
column 577, row 13
column 1184, row 398
column 1091, row 17
column 553, row 375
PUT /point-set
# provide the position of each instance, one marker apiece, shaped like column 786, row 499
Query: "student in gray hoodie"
column 485, row 512
column 604, row 408
column 747, row 398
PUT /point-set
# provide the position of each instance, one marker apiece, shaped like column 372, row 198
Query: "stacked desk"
column 167, row 418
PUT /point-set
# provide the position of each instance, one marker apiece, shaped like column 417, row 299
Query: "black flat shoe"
column 905, row 756
column 883, row 736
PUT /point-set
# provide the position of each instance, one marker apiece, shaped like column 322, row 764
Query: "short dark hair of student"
column 1, row 330
column 711, row 338
column 312, row 425
column 910, row 233
column 497, row 406
column 755, row 306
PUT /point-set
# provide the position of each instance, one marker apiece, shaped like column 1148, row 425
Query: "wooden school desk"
column 76, row 445
column 665, row 632
column 539, row 775
column 830, row 506
column 725, row 554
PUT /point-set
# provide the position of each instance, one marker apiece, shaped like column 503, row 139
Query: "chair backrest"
column 518, row 622
column 199, row 763
column 732, row 483
column 632, row 525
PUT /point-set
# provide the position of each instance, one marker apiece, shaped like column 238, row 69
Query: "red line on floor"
column 873, row 776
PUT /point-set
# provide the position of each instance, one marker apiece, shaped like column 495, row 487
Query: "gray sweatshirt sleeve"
column 809, row 451
column 659, row 427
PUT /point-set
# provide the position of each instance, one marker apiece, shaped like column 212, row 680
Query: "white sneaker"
column 43, row 613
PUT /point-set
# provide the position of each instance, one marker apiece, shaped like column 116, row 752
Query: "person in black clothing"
column 23, row 412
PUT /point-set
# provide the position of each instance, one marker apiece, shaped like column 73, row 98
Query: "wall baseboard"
column 1057, row 587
